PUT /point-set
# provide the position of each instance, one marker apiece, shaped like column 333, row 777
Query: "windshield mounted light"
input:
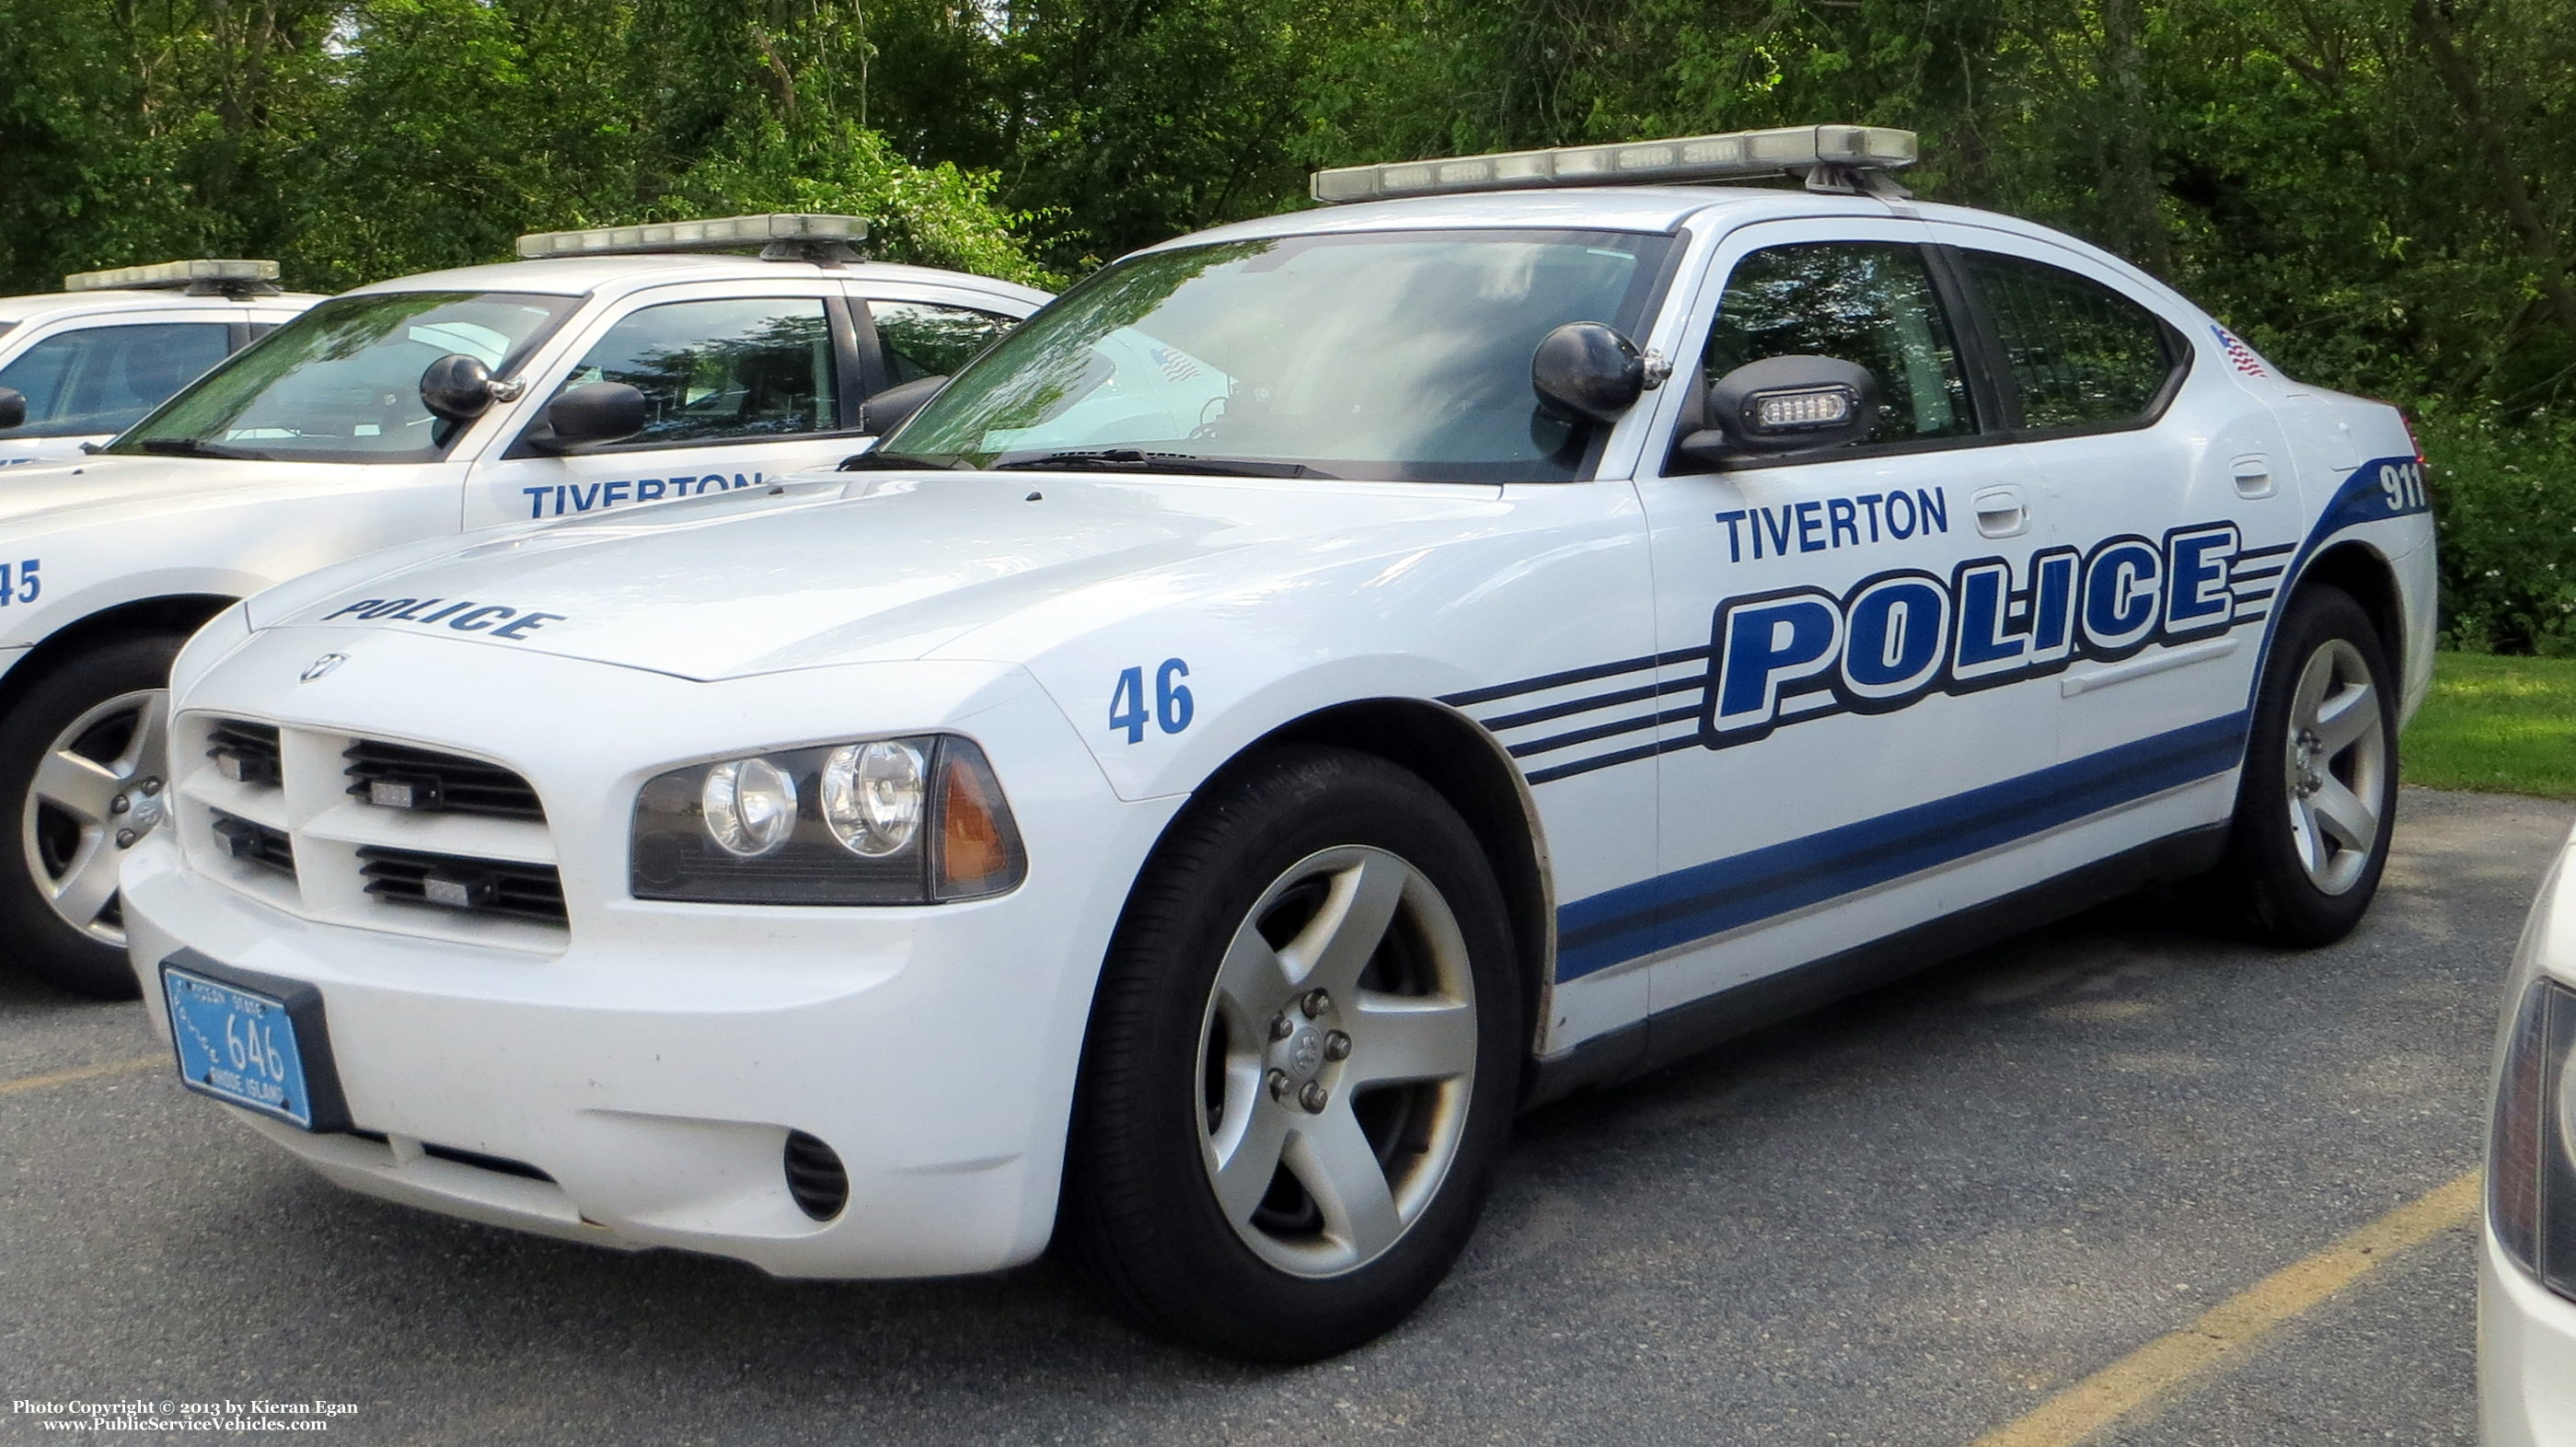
column 781, row 235
column 1832, row 158
column 918, row 820
column 233, row 276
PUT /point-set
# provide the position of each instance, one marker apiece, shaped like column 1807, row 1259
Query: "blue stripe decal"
column 1639, row 919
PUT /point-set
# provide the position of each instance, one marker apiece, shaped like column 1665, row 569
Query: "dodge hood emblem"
column 323, row 665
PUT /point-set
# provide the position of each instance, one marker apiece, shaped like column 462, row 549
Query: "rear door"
column 2172, row 489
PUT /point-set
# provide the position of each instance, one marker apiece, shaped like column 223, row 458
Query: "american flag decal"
column 2239, row 355
column 1176, row 366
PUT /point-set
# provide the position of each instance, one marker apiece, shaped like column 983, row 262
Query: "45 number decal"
column 20, row 584
column 1172, row 706
column 2402, row 484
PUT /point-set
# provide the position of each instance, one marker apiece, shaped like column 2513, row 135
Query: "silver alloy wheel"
column 2336, row 772
column 98, row 789
column 1336, row 1059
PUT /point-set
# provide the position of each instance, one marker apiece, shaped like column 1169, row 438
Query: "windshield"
column 1396, row 355
column 341, row 383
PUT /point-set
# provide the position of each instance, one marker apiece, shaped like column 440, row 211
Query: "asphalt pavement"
column 1910, row 1219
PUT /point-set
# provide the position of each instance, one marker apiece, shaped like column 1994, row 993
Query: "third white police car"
column 2527, row 1267
column 77, row 366
column 610, row 368
column 1322, row 684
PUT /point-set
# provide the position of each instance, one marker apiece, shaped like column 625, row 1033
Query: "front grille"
column 397, row 776
column 467, row 886
column 246, row 753
column 254, row 843
column 816, row 1177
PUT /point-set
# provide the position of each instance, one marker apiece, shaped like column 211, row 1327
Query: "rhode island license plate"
column 237, row 1046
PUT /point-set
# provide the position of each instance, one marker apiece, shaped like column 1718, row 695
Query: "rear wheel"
column 1301, row 1066
column 2319, row 794
column 83, row 763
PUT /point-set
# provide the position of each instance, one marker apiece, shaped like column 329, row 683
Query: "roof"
column 59, row 303
column 582, row 275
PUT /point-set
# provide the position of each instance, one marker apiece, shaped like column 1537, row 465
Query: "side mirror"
column 13, row 408
column 591, row 413
column 887, row 410
column 1781, row 405
column 457, row 388
column 1586, row 372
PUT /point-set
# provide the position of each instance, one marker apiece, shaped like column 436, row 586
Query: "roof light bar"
column 803, row 232
column 1734, row 155
column 210, row 273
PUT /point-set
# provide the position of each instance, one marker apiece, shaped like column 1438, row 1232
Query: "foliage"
column 2508, row 533
column 2379, row 194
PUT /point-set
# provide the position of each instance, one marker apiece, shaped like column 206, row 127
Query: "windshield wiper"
column 866, row 461
column 191, row 447
column 1128, row 459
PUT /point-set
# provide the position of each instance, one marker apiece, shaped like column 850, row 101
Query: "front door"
column 1840, row 729
column 738, row 389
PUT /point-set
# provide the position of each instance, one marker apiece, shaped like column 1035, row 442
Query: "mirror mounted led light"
column 781, row 236
column 1782, row 405
column 1832, row 158
column 209, row 277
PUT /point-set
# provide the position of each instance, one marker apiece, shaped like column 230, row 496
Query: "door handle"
column 2001, row 512
column 2253, row 475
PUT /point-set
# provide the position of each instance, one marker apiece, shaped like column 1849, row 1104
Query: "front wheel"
column 1302, row 1063
column 82, row 764
column 2319, row 795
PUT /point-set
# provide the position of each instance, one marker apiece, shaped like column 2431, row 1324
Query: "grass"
column 2501, row 725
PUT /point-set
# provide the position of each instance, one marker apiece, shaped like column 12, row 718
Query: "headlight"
column 885, row 821
column 2531, row 1163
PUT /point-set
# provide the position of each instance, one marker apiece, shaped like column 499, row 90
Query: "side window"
column 2080, row 355
column 719, row 369
column 103, row 379
column 1866, row 302
column 921, row 340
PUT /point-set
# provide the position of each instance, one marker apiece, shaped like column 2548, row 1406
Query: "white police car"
column 2527, row 1264
column 614, row 367
column 77, row 366
column 1324, row 683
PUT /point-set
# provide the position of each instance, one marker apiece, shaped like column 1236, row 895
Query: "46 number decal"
column 1171, row 709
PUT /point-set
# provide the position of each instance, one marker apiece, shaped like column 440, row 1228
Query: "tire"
column 1232, row 1182
column 2319, row 792
column 82, row 766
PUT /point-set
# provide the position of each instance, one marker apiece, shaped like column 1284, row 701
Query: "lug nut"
column 1313, row 1097
column 125, row 838
column 1315, row 1003
column 1282, row 1027
column 1337, row 1046
column 1278, row 1082
column 151, row 787
column 119, row 804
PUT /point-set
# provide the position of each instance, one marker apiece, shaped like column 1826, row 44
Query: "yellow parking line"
column 26, row 1083
column 2232, row 1328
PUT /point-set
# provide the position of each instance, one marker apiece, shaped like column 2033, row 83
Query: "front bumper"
column 2526, row 1357
column 653, row 1068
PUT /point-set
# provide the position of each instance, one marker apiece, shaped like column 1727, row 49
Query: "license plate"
column 237, row 1045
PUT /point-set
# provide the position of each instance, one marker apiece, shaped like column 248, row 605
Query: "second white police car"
column 1322, row 685
column 79, row 365
column 609, row 368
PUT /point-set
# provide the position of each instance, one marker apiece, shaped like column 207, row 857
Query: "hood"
column 103, row 488
column 881, row 567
